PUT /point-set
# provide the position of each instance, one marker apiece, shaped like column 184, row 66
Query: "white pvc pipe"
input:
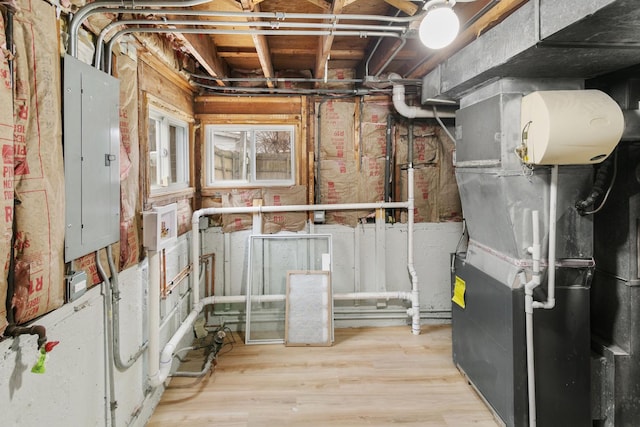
column 405, row 296
column 411, row 112
column 531, row 371
column 550, row 303
column 415, row 300
column 154, row 319
column 535, row 247
column 166, row 358
column 528, row 308
column 551, row 268
column 160, row 365
column 195, row 222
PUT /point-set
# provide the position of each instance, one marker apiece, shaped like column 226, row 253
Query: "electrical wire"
column 453, row 258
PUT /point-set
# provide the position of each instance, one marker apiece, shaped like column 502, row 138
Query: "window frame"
column 166, row 120
column 249, row 177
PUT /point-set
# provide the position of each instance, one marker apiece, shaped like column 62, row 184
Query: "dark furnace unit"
column 516, row 211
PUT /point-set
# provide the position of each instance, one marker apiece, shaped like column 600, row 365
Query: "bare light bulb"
column 439, row 27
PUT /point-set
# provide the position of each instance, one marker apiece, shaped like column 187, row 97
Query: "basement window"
column 168, row 152
column 250, row 155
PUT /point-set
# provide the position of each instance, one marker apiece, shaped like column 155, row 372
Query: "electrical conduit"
column 113, row 403
column 115, row 309
column 255, row 26
column 117, row 5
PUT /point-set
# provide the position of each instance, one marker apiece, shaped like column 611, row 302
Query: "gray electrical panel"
column 91, row 158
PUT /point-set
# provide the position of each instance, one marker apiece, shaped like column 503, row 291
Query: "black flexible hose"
column 599, row 186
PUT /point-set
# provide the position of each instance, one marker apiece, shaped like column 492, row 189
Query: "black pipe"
column 410, row 143
column 317, row 153
column 387, row 165
column 39, row 330
column 13, row 330
column 12, row 263
column 9, row 41
column 11, row 275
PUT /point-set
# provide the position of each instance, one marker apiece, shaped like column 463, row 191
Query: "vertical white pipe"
column 528, row 308
column 154, row 318
column 531, row 371
column 415, row 302
column 551, row 268
column 227, row 264
column 195, row 258
column 553, row 208
column 357, row 256
column 381, row 252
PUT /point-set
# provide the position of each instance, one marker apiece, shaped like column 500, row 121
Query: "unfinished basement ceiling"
column 259, row 57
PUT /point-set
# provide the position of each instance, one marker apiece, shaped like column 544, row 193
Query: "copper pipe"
column 210, row 278
column 169, row 287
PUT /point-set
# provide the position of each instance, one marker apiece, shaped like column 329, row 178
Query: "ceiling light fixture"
column 440, row 25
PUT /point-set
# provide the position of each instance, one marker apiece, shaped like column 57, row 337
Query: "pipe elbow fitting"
column 13, row 330
column 547, row 305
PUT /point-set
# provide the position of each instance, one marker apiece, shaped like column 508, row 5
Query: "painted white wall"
column 433, row 244
column 73, row 391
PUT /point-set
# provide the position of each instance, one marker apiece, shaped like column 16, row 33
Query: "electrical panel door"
column 91, row 158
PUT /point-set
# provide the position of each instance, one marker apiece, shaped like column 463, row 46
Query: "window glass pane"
column 176, row 146
column 168, row 152
column 244, row 155
column 229, row 156
column 273, row 155
column 154, row 144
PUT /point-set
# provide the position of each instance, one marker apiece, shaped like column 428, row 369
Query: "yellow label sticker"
column 459, row 288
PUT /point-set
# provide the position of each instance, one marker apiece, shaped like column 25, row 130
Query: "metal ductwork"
column 559, row 45
column 544, row 40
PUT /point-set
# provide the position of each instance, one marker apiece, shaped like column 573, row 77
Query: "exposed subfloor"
column 369, row 376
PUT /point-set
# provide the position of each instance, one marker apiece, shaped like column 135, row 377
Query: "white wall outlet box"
column 160, row 227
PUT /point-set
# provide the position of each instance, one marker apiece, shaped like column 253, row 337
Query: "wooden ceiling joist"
column 204, row 51
column 404, row 5
column 322, row 4
column 260, row 41
column 325, row 43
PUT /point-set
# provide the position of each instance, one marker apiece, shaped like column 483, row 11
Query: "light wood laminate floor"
column 369, row 377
